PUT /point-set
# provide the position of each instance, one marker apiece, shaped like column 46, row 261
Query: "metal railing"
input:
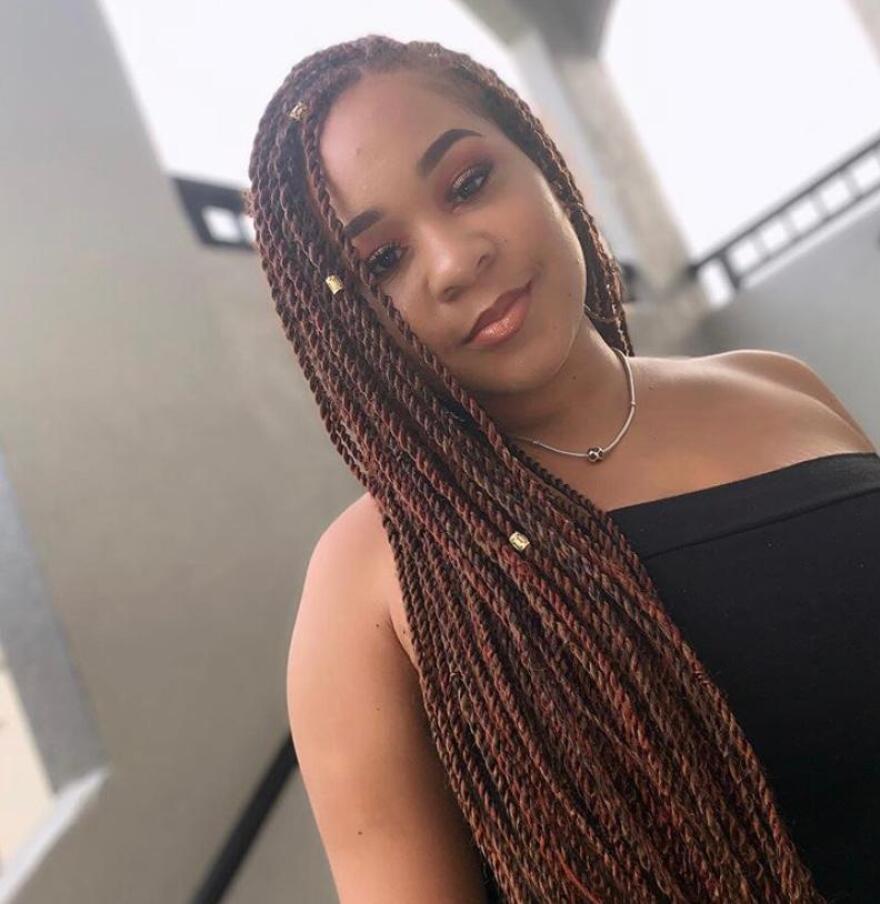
column 248, row 825
column 797, row 217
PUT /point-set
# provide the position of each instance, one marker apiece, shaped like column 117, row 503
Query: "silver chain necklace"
column 595, row 454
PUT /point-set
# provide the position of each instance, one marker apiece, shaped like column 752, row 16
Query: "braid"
column 588, row 750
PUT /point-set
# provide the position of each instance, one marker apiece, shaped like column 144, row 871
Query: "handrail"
column 752, row 236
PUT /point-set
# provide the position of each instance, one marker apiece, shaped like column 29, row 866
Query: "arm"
column 389, row 823
column 799, row 375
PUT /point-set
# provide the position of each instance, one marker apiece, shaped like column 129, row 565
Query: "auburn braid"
column 589, row 752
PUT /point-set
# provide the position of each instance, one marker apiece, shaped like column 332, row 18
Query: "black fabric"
column 774, row 582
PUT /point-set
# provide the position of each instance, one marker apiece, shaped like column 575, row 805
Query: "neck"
column 585, row 403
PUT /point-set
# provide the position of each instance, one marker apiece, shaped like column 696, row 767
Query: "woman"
column 487, row 694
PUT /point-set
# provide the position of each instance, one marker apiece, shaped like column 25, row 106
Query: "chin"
column 521, row 373
column 523, row 365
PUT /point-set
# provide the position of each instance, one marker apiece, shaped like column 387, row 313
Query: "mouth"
column 501, row 319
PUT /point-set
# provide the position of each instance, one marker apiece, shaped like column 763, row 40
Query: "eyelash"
column 469, row 176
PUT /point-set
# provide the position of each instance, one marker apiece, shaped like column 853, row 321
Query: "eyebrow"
column 432, row 156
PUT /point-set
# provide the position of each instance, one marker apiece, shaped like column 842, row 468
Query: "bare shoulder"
column 382, row 801
column 341, row 596
column 789, row 372
column 364, row 518
column 357, row 542
column 769, row 363
column 357, row 530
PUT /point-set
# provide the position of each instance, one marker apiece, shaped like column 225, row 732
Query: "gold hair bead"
column 298, row 112
column 334, row 282
column 518, row 541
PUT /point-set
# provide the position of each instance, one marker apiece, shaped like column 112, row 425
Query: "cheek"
column 545, row 227
column 573, row 256
column 555, row 220
column 541, row 218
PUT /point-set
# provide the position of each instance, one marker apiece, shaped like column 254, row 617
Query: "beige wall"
column 821, row 304
column 168, row 460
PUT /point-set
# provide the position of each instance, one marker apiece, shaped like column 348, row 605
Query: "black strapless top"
column 774, row 581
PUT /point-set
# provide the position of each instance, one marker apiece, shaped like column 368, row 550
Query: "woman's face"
column 455, row 228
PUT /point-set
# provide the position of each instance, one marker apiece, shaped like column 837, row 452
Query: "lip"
column 496, row 313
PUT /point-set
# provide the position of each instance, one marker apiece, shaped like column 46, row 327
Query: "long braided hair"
column 590, row 753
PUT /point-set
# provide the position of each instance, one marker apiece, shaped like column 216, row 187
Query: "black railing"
column 797, row 217
column 248, row 825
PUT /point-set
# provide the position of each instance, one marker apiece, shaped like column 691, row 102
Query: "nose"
column 456, row 259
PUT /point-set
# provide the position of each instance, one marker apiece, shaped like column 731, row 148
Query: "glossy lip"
column 497, row 310
column 507, row 325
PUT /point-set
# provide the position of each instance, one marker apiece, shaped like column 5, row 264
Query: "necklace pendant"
column 595, row 454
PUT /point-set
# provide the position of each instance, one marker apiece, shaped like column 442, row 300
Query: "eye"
column 381, row 257
column 472, row 180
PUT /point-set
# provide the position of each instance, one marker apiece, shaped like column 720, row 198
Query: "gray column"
column 576, row 98
column 868, row 13
column 673, row 304
column 562, row 120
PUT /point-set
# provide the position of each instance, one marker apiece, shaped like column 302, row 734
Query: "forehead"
column 378, row 128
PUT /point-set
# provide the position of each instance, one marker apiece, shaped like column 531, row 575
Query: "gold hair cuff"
column 518, row 541
column 334, row 282
column 298, row 112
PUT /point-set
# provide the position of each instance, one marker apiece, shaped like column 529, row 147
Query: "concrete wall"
column 820, row 303
column 168, row 462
